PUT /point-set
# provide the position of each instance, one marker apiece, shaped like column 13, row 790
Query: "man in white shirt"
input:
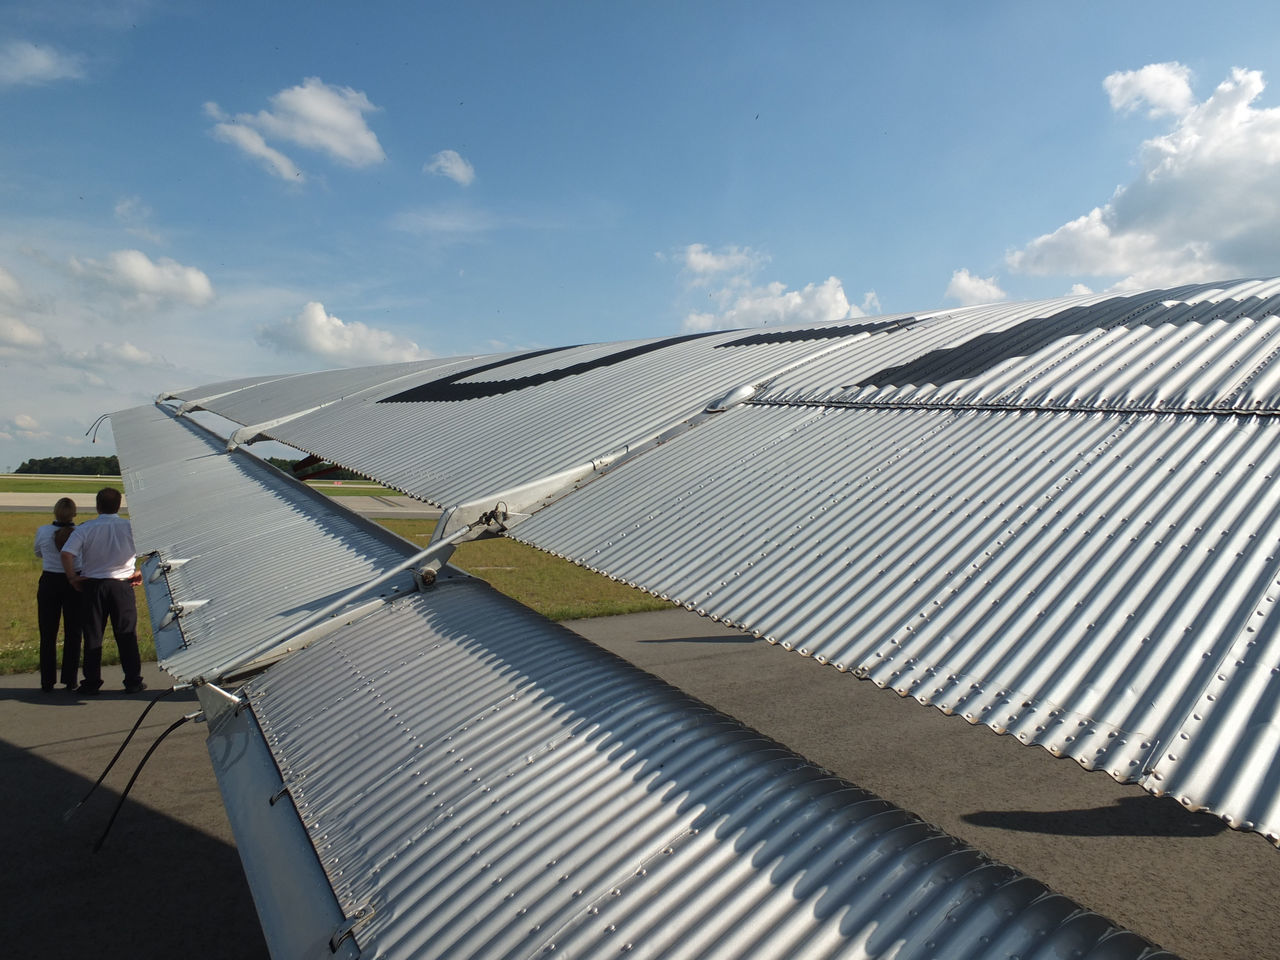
column 103, row 550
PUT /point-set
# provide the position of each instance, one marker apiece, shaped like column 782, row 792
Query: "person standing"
column 56, row 601
column 104, row 550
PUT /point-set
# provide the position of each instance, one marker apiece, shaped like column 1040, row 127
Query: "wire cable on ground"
column 154, row 700
column 147, row 756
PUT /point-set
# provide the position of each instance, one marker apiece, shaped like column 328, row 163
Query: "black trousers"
column 110, row 600
column 57, row 601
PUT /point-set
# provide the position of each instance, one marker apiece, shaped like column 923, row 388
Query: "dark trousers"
column 110, row 600
column 57, row 601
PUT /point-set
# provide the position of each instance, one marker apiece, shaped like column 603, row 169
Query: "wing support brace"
column 434, row 554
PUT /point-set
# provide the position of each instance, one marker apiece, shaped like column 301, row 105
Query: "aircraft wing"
column 1053, row 518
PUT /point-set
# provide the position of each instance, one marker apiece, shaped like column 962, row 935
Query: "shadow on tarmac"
column 1127, row 817
column 158, row 888
column 735, row 639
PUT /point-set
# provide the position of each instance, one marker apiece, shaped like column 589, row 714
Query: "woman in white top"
column 57, row 601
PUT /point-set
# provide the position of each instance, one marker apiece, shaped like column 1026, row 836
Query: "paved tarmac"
column 168, row 882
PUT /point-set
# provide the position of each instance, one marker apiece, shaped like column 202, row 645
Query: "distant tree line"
column 326, row 471
column 77, row 466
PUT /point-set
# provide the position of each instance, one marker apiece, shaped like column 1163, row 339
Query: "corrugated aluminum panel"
column 478, row 782
column 1171, row 614
column 223, row 387
column 1100, row 584
column 454, row 451
column 284, row 396
column 1139, row 352
column 251, row 551
column 1192, row 346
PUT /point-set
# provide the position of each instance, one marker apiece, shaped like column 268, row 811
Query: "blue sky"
column 191, row 192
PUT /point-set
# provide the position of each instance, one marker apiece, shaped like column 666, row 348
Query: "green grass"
column 352, row 488
column 555, row 588
column 18, row 483
column 21, row 483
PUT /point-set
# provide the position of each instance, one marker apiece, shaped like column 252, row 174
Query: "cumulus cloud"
column 24, row 63
column 1164, row 87
column 1207, row 199
column 15, row 333
column 22, row 426
column 738, row 300
column 451, row 164
column 320, row 334
column 969, row 290
column 704, row 264
column 148, row 282
column 774, row 303
column 314, row 115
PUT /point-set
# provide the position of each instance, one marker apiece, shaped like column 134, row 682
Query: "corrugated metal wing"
column 446, row 774
column 244, row 551
column 1100, row 584
column 537, row 416
column 480, row 783
column 1053, row 517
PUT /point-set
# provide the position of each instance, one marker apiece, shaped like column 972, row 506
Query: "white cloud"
column 1205, row 205
column 24, row 427
column 112, row 356
column 15, row 333
column 1079, row 290
column 22, row 62
column 739, row 301
column 314, row 115
column 774, row 303
column 704, row 263
column 970, row 290
column 148, row 282
column 251, row 142
column 451, row 164
column 10, row 289
column 1165, row 87
column 320, row 334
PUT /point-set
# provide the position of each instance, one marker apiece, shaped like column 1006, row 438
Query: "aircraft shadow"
column 1128, row 817
column 159, row 887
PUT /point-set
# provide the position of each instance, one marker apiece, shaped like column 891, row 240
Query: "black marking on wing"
column 817, row 333
column 449, row 389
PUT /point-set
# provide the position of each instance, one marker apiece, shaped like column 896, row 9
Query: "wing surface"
column 237, row 555
column 442, row 773
column 1055, row 518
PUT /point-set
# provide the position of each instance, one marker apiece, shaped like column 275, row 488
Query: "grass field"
column 23, row 483
column 18, row 483
column 555, row 588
